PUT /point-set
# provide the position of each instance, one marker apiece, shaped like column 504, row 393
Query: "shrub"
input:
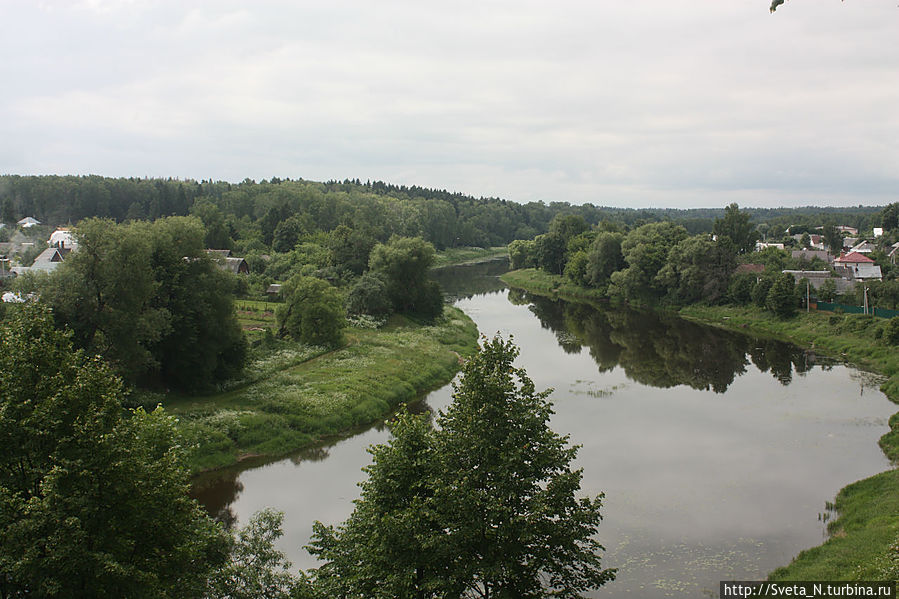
column 891, row 332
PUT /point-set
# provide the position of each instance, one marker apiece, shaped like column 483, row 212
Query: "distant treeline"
column 237, row 215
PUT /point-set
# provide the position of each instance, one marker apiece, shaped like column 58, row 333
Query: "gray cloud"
column 656, row 103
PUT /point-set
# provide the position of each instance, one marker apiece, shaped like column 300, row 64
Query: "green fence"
column 847, row 309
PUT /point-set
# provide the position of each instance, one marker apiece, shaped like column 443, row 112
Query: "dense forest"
column 245, row 216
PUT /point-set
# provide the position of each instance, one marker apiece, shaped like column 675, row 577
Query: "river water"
column 718, row 453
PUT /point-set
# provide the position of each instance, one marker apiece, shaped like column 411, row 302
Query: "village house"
column 817, row 278
column 229, row 263
column 857, row 266
column 863, row 247
column 63, row 238
column 28, row 222
column 809, row 255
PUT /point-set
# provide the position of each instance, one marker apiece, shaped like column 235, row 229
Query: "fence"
column 847, row 309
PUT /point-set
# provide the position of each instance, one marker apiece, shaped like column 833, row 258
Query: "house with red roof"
column 857, row 266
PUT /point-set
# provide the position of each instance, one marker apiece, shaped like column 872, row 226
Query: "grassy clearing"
column 868, row 522
column 294, row 395
column 468, row 255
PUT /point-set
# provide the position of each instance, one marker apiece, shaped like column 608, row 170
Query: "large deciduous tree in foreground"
column 147, row 298
column 486, row 505
column 92, row 504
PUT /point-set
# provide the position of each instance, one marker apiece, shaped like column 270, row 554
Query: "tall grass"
column 293, row 397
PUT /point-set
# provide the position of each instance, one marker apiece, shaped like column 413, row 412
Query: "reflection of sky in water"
column 700, row 486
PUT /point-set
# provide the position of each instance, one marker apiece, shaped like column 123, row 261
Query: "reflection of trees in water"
column 664, row 351
column 780, row 358
column 217, row 493
column 463, row 282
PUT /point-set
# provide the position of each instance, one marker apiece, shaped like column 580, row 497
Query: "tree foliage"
column 368, row 295
column 736, row 226
column 148, row 299
column 485, row 505
column 313, row 312
column 551, row 252
column 782, row 298
column 256, row 568
column 403, row 262
column 604, row 258
column 645, row 250
column 91, row 503
column 832, row 238
column 698, row 269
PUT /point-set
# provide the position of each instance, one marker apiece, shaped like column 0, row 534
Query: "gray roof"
column 48, row 260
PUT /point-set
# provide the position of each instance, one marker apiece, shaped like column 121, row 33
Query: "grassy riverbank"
column 468, row 255
column 868, row 510
column 294, row 395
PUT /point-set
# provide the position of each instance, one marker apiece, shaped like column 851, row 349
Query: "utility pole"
column 807, row 297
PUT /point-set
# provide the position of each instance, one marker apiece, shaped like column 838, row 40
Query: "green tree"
column 350, row 248
column 148, row 299
column 390, row 546
column 736, row 226
column 698, row 269
column 605, row 258
column 403, row 262
column 91, row 503
column 256, row 568
column 522, row 254
column 288, row 232
column 217, row 233
column 740, row 289
column 805, row 241
column 485, row 505
column 782, row 298
column 551, row 252
column 368, row 295
column 827, row 291
column 508, row 492
column 645, row 250
column 889, row 217
column 312, row 312
column 568, row 226
column 832, row 238
column 576, row 268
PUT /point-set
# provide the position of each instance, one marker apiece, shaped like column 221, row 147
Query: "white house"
column 62, row 238
column 28, row 222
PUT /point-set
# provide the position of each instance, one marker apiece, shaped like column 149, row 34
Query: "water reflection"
column 467, row 281
column 662, row 350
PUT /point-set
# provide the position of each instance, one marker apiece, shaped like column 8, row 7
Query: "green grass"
column 468, row 255
column 543, row 283
column 868, row 510
column 294, row 395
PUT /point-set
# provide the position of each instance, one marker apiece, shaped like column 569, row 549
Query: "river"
column 718, row 452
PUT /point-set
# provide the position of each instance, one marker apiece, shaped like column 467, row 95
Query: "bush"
column 891, row 331
column 782, row 298
column 368, row 295
column 760, row 291
column 313, row 312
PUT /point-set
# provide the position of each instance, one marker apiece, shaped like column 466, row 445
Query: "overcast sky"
column 650, row 103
